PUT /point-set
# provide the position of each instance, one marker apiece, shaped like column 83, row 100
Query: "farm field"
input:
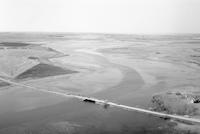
column 155, row 72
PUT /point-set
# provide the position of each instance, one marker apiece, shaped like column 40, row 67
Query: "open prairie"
column 161, row 73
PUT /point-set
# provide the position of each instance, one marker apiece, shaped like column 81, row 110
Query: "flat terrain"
column 43, row 70
column 160, row 73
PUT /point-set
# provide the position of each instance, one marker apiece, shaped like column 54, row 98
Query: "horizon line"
column 114, row 33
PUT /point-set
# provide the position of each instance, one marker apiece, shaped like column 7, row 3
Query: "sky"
column 101, row 16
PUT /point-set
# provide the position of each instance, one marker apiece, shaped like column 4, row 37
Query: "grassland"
column 127, row 69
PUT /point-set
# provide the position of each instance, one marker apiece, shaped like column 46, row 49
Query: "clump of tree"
column 172, row 105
